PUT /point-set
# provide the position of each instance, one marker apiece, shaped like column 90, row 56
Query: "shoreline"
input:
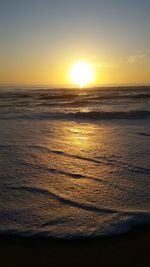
column 128, row 249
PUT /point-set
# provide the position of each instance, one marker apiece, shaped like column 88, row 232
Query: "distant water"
column 74, row 163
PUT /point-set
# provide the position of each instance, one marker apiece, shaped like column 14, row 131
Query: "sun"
column 81, row 73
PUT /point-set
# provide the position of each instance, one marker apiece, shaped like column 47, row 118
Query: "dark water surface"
column 74, row 163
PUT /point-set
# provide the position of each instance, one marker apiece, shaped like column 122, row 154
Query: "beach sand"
column 131, row 249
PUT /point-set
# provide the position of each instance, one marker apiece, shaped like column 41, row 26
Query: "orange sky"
column 40, row 40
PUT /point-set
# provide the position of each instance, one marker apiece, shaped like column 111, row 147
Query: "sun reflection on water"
column 80, row 135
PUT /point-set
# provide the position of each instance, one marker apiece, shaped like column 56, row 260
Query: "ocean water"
column 74, row 163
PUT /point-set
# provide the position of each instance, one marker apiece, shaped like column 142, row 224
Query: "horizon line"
column 72, row 86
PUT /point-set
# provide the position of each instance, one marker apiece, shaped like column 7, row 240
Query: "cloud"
column 136, row 58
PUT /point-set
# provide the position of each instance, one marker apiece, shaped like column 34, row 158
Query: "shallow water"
column 74, row 163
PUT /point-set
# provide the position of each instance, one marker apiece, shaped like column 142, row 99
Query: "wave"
column 96, row 115
column 83, row 95
column 120, row 221
column 64, row 200
column 81, row 116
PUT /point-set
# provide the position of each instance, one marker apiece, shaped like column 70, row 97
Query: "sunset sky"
column 41, row 39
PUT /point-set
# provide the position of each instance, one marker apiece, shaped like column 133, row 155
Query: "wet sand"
column 131, row 249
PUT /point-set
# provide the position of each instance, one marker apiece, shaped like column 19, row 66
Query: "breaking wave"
column 90, row 115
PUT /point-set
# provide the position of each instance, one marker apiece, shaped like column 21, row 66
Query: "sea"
column 74, row 163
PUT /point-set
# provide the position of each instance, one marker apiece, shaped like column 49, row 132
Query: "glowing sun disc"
column 82, row 73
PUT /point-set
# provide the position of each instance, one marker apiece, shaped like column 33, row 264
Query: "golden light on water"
column 78, row 136
column 82, row 73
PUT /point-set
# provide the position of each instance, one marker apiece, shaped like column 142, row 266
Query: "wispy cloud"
column 136, row 58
